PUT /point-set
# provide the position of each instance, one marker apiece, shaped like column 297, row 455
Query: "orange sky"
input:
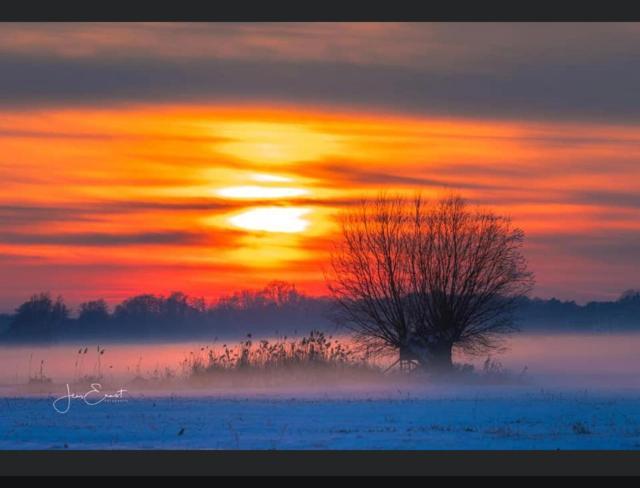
column 205, row 157
column 208, row 198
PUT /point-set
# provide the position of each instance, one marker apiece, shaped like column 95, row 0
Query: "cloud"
column 351, row 173
column 608, row 203
column 92, row 211
column 351, row 42
column 467, row 47
column 606, row 198
column 30, row 214
column 610, row 247
column 565, row 71
column 100, row 239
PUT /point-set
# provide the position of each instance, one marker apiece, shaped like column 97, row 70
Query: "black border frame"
column 379, row 463
column 321, row 463
column 278, row 10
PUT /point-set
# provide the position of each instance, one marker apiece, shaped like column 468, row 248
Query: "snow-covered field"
column 580, row 392
column 472, row 418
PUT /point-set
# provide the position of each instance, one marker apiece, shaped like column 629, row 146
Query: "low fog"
column 597, row 361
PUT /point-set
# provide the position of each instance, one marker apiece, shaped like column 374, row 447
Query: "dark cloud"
column 606, row 198
column 531, row 70
column 609, row 247
column 611, row 204
column 558, row 89
column 350, row 173
column 100, row 239
column 94, row 211
column 28, row 215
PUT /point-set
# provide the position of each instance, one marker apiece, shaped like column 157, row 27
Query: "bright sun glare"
column 261, row 192
column 272, row 219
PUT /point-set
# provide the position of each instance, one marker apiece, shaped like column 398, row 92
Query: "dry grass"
column 39, row 378
column 310, row 357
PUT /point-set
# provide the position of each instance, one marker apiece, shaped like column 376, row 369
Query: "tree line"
column 277, row 308
column 147, row 316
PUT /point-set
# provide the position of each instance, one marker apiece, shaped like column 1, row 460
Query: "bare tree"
column 368, row 276
column 425, row 278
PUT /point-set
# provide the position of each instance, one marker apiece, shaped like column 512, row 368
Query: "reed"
column 316, row 351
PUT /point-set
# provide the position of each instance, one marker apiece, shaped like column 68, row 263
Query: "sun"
column 272, row 219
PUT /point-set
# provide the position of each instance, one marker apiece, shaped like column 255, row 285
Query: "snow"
column 483, row 417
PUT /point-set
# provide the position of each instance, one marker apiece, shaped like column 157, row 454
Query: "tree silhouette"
column 423, row 278
column 93, row 312
column 39, row 317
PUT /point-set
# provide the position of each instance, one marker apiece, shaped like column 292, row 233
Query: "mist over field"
column 573, row 360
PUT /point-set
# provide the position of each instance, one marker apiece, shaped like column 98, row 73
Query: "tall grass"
column 79, row 375
column 315, row 353
column 39, row 378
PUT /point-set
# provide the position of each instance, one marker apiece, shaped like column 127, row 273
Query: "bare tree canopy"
column 423, row 278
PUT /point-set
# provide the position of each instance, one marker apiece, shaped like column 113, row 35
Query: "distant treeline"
column 278, row 309
column 553, row 314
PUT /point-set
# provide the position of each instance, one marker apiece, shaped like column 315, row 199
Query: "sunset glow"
column 202, row 194
column 275, row 143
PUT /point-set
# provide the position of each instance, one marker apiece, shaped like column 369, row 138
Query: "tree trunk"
column 434, row 357
column 440, row 357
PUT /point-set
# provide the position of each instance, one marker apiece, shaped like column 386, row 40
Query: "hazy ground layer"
column 568, row 360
